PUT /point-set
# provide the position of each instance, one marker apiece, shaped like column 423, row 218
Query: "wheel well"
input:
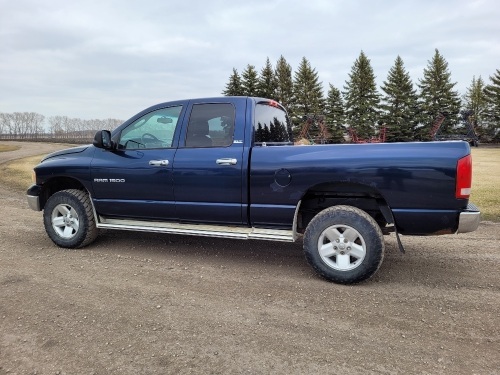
column 322, row 196
column 57, row 184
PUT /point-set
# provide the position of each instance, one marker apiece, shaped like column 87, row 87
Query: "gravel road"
column 139, row 303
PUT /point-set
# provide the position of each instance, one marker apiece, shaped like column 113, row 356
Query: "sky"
column 111, row 59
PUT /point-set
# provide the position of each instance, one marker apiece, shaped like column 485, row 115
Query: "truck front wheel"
column 344, row 244
column 69, row 220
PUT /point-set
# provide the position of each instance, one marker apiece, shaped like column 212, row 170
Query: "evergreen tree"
column 361, row 98
column 492, row 115
column 308, row 93
column 399, row 104
column 436, row 95
column 266, row 134
column 259, row 133
column 266, row 85
column 233, row 87
column 284, row 84
column 249, row 81
column 475, row 99
column 334, row 115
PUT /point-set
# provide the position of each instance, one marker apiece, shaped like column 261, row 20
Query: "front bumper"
column 469, row 219
column 33, row 197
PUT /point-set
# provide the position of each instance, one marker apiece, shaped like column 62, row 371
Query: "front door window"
column 153, row 130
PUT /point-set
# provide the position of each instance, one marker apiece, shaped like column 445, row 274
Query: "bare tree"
column 111, row 123
column 56, row 127
column 5, row 128
column 30, row 125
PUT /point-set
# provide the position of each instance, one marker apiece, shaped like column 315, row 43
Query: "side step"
column 198, row 229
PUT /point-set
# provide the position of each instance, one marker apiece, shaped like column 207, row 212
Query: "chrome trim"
column 226, row 161
column 469, row 219
column 159, row 163
column 197, row 229
column 34, row 202
column 271, row 235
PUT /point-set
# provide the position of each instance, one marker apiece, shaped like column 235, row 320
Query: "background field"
column 17, row 173
column 486, row 182
column 7, row 147
column 485, row 179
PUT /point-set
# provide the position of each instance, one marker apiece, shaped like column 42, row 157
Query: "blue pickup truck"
column 227, row 167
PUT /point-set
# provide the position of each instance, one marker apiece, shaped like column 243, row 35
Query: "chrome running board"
column 197, row 229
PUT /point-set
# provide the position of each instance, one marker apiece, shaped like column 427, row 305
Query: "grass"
column 17, row 173
column 6, row 148
column 485, row 179
column 486, row 182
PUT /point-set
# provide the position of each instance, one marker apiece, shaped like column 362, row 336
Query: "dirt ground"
column 138, row 303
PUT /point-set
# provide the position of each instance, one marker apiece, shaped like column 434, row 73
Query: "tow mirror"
column 102, row 139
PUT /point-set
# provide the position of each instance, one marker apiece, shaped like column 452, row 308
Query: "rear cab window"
column 272, row 127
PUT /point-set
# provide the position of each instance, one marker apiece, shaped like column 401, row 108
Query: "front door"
column 135, row 180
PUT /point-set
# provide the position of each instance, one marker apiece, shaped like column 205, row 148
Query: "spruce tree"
column 266, row 85
column 475, row 100
column 284, row 83
column 436, row 95
column 492, row 115
column 233, row 87
column 249, row 80
column 308, row 93
column 361, row 98
column 399, row 104
column 334, row 115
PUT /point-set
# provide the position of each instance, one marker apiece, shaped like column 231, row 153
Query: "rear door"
column 210, row 164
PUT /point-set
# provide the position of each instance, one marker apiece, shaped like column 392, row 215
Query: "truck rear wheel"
column 344, row 244
column 69, row 220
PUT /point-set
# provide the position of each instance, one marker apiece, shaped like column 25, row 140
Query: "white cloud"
column 99, row 59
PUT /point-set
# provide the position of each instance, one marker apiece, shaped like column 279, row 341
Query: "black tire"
column 344, row 244
column 69, row 219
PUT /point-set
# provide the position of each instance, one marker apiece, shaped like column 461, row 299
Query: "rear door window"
column 211, row 125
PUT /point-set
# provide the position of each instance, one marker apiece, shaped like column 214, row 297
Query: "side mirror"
column 102, row 139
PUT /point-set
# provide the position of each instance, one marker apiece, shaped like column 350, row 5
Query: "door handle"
column 226, row 161
column 158, row 163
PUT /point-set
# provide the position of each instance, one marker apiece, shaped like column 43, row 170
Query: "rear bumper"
column 33, row 197
column 469, row 219
column 418, row 222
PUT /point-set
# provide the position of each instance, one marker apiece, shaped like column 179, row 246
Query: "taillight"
column 464, row 177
